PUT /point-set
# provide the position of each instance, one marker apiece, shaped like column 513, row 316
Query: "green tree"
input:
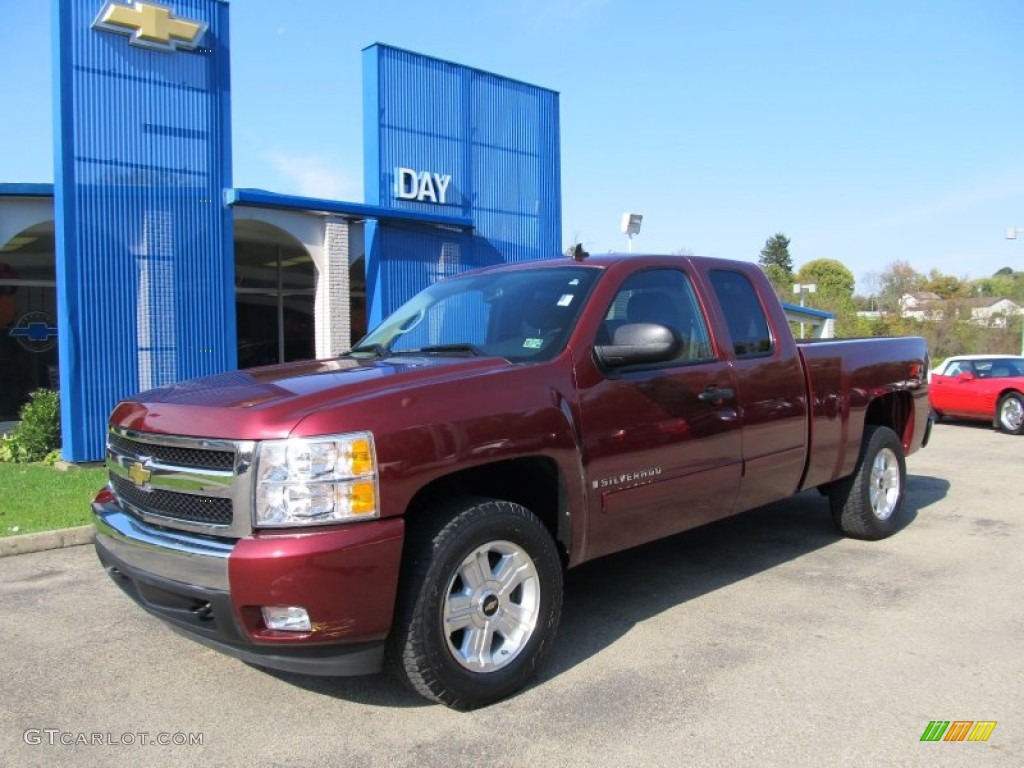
column 781, row 281
column 945, row 286
column 776, row 252
column 832, row 277
column 834, row 293
column 1009, row 285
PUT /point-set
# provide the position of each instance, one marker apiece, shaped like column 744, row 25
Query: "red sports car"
column 985, row 388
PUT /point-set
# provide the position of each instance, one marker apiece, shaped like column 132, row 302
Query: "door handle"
column 714, row 394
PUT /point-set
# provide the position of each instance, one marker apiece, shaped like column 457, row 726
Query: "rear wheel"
column 480, row 601
column 1010, row 413
column 867, row 504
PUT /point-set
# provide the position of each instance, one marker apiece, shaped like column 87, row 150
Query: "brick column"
column 333, row 312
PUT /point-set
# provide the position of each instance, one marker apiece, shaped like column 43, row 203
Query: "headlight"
column 316, row 480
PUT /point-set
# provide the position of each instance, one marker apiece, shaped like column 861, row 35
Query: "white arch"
column 326, row 239
column 307, row 229
column 19, row 213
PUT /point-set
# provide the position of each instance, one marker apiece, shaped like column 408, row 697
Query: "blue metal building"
column 446, row 138
column 159, row 270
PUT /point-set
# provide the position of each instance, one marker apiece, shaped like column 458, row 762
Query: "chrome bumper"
column 183, row 579
column 182, row 557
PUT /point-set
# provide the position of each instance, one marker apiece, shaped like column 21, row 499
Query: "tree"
column 896, row 281
column 833, row 279
column 1009, row 285
column 776, row 252
column 834, row 293
column 781, row 281
column 945, row 286
column 778, row 264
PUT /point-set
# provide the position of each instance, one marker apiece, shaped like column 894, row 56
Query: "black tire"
column 509, row 621
column 868, row 504
column 1010, row 413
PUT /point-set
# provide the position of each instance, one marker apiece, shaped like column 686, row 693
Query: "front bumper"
column 212, row 589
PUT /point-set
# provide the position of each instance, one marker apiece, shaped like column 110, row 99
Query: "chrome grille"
column 188, row 483
column 208, row 510
column 172, row 454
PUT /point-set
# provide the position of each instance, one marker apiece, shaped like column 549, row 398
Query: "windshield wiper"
column 447, row 349
column 379, row 350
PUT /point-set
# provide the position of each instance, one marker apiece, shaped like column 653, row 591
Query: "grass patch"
column 37, row 497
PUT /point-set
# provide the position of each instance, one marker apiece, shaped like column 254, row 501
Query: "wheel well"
column 896, row 411
column 534, row 482
column 1009, row 391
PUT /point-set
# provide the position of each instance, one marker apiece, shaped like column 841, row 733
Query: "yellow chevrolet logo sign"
column 138, row 474
column 150, row 25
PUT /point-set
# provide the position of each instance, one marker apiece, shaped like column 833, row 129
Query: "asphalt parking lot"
column 762, row 640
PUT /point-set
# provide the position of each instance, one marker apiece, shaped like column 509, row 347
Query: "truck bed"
column 840, row 375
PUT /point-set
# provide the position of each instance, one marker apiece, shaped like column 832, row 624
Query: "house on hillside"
column 989, row 311
column 913, row 301
column 992, row 311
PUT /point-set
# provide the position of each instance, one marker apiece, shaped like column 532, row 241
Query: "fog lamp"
column 287, row 618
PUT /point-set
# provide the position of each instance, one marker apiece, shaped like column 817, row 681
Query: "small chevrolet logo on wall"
column 150, row 25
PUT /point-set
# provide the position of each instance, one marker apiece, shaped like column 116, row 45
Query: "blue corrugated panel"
column 144, row 269
column 497, row 139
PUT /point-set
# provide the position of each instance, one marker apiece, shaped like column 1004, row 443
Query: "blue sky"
column 867, row 131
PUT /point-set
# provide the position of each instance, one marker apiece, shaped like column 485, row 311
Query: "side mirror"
column 639, row 344
column 965, row 376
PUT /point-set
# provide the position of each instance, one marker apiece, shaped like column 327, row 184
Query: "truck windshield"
column 520, row 315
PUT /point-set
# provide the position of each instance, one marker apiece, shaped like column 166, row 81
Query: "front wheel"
column 480, row 601
column 1010, row 413
column 867, row 504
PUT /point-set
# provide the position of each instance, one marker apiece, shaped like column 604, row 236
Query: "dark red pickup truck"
column 416, row 501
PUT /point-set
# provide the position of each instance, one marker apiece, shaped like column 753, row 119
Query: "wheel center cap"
column 489, row 606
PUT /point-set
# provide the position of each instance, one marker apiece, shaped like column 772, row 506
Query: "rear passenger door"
column 771, row 390
column 661, row 443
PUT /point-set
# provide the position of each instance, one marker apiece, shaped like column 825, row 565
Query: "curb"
column 40, row 542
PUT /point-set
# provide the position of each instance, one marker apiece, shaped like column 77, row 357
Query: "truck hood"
column 268, row 402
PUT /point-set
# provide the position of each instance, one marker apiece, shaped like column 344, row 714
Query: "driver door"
column 661, row 442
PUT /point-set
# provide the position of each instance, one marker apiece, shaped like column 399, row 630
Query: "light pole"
column 631, row 226
column 1011, row 234
column 803, row 288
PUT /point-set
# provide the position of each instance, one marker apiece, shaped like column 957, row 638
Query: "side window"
column 748, row 326
column 666, row 297
column 956, row 369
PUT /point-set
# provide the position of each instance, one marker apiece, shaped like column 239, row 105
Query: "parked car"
column 981, row 388
column 950, row 365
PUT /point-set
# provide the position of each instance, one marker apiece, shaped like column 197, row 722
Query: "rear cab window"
column 748, row 326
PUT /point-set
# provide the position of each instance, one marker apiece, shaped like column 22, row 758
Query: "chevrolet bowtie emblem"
column 150, row 25
column 138, row 473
